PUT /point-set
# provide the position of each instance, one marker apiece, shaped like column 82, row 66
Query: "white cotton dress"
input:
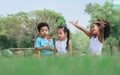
column 95, row 47
column 61, row 46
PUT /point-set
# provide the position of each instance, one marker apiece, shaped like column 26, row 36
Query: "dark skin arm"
column 102, row 25
column 100, row 37
column 88, row 33
column 81, row 28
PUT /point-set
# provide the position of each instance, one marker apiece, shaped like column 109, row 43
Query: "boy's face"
column 44, row 31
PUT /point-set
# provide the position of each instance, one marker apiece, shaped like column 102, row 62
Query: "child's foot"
column 36, row 55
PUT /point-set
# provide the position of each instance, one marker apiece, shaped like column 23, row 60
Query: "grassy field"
column 60, row 65
column 77, row 64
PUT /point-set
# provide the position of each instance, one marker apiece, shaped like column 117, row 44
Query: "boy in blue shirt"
column 44, row 44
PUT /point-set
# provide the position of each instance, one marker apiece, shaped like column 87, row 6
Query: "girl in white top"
column 63, row 45
column 98, row 32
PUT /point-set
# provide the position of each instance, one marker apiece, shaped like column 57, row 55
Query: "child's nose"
column 44, row 31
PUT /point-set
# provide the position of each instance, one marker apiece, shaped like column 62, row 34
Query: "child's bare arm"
column 102, row 24
column 43, row 48
column 37, row 50
column 54, row 50
column 70, row 47
column 81, row 28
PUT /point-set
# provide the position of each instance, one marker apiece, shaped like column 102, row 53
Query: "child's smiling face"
column 61, row 34
column 44, row 31
column 94, row 29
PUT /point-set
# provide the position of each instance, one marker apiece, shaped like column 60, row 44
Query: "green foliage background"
column 20, row 30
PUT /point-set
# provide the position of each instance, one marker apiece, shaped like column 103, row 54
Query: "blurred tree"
column 51, row 17
column 21, row 28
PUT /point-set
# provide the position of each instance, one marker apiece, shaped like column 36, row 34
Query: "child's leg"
column 37, row 53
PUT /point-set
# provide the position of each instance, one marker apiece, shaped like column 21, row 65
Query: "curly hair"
column 107, row 29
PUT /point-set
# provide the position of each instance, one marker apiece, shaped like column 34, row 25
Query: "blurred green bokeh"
column 60, row 65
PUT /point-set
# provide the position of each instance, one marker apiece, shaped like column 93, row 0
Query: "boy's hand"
column 74, row 23
column 47, row 47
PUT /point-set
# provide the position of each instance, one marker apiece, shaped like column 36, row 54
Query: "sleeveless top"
column 95, row 47
column 61, row 46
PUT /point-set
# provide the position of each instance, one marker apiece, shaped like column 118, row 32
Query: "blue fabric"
column 42, row 42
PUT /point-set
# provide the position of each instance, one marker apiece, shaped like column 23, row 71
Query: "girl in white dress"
column 63, row 45
column 99, row 31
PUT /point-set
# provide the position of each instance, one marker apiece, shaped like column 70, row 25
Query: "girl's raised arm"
column 81, row 28
column 102, row 24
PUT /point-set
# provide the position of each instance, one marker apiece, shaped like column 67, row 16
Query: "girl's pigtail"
column 68, row 38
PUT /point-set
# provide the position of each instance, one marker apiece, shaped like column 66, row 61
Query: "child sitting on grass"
column 44, row 44
column 63, row 45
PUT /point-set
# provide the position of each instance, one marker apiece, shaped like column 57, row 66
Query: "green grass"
column 63, row 65
column 60, row 65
